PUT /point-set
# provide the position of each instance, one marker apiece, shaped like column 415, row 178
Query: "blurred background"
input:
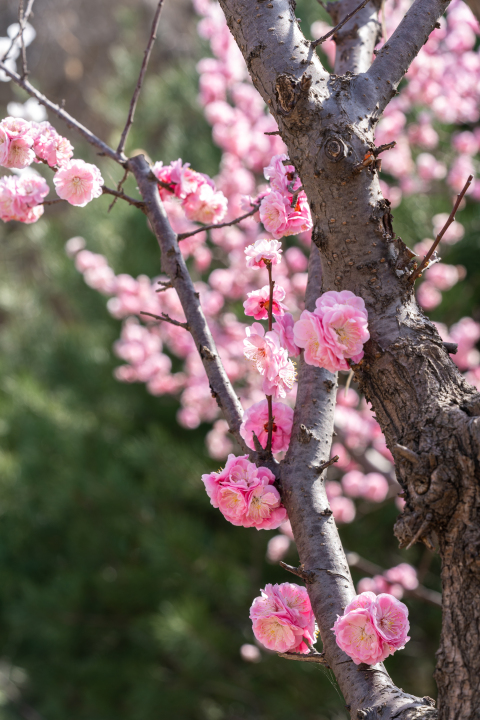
column 123, row 593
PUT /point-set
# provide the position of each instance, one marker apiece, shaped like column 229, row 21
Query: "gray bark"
column 420, row 399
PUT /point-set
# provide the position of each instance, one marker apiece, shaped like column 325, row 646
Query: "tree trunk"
column 424, row 406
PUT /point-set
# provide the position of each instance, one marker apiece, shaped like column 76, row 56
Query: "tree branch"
column 63, row 115
column 143, row 69
column 204, row 228
column 20, row 30
column 356, row 42
column 395, row 57
column 348, row 17
column 174, row 266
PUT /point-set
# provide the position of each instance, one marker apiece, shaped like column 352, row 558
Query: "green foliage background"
column 123, row 594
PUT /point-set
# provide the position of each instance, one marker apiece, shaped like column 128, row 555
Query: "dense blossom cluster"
column 283, row 619
column 245, row 494
column 284, row 210
column 23, row 142
column 394, row 581
column 334, row 332
column 372, row 628
column 196, row 191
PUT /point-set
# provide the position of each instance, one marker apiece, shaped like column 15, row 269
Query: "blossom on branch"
column 372, row 628
column 335, row 331
column 78, row 182
column 258, row 301
column 50, row 146
column 245, row 494
column 263, row 251
column 285, row 210
column 16, row 143
column 284, row 329
column 283, row 619
column 255, row 420
column 21, row 197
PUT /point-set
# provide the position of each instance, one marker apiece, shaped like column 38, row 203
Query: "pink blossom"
column 466, row 143
column 296, row 259
column 16, row 143
column 403, row 574
column 343, row 509
column 280, row 375
column 429, row 168
column 263, row 251
column 299, row 218
column 273, row 213
column 250, row 653
column 277, row 548
column 283, row 178
column 428, row 295
column 353, row 483
column 454, row 233
column 261, row 349
column 205, row 205
column 376, row 487
column 372, row 628
column 258, row 302
column 284, row 329
column 337, row 329
column 78, row 182
column 50, row 146
column 283, row 619
column 21, row 197
column 255, row 420
column 245, row 494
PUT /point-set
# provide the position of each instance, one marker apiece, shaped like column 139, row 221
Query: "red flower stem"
column 270, row 423
column 270, row 302
column 270, row 326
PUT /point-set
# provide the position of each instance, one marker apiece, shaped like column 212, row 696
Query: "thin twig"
column 300, row 572
column 167, row 318
column 63, row 115
column 272, row 132
column 442, row 232
column 184, row 236
column 295, row 196
column 119, row 189
column 14, row 39
column 311, row 657
column 121, row 195
column 21, row 23
column 51, row 202
column 166, row 286
column 340, row 25
column 327, row 464
column 381, row 148
column 143, row 69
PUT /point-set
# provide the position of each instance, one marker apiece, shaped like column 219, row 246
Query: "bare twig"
column 119, row 189
column 406, row 453
column 63, row 115
column 184, row 236
column 300, row 572
column 311, row 657
column 168, row 319
column 421, row 592
column 21, row 23
column 121, row 195
column 295, row 196
column 174, row 267
column 382, row 148
column 165, row 286
column 323, row 466
column 322, row 39
column 442, row 232
column 52, row 202
column 20, row 30
column 143, row 69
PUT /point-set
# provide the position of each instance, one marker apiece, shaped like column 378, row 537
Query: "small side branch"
column 21, row 28
column 442, row 232
column 312, row 657
column 143, row 70
column 300, row 572
column 204, row 228
column 332, row 32
column 166, row 318
column 121, row 195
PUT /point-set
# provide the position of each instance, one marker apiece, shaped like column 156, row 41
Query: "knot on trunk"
column 289, row 90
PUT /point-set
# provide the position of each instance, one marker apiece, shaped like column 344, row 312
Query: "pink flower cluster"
column 372, row 486
column 200, row 200
column 270, row 359
column 281, row 213
column 372, row 628
column 245, row 494
column 393, row 581
column 335, row 331
column 21, row 198
column 283, row 619
column 255, row 421
column 23, row 142
column 263, row 252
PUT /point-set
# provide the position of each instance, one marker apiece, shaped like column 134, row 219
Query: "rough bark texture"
column 421, row 401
